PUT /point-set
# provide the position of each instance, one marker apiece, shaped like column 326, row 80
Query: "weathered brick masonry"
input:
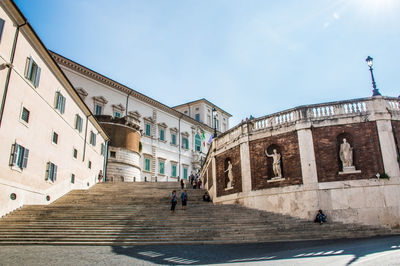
column 261, row 167
column 221, row 160
column 363, row 137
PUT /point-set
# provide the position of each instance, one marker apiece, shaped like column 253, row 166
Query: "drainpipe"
column 84, row 143
column 105, row 161
column 14, row 47
column 179, row 131
column 127, row 97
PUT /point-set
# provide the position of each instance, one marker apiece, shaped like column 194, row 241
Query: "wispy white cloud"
column 336, row 15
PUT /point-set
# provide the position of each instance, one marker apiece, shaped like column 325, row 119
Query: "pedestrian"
column 184, row 198
column 100, row 176
column 173, row 201
column 182, row 183
column 199, row 184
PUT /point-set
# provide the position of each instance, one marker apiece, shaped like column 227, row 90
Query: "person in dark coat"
column 184, row 198
column 173, row 201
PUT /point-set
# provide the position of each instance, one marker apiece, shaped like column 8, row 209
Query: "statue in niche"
column 276, row 164
column 346, row 154
column 230, row 175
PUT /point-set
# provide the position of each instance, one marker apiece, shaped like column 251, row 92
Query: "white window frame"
column 59, row 102
column 78, row 123
column 32, row 71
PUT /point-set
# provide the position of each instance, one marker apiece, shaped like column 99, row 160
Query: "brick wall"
column 363, row 137
column 396, row 134
column 222, row 177
column 261, row 165
column 209, row 175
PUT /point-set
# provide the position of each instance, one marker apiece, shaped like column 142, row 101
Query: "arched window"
column 197, row 142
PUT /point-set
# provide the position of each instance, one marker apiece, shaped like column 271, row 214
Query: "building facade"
column 50, row 142
column 170, row 143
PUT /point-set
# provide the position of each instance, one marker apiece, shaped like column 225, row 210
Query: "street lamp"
column 375, row 91
column 214, row 113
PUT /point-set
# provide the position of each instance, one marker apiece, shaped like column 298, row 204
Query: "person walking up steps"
column 173, row 201
column 184, row 198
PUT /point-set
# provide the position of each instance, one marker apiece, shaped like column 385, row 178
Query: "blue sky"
column 248, row 57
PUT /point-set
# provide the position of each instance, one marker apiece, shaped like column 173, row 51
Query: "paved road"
column 373, row 251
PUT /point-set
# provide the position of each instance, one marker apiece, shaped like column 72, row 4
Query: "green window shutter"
column 1, row 27
column 185, row 172
column 162, row 168
column 173, row 139
column 161, row 134
column 37, row 77
column 54, row 173
column 174, row 170
column 148, row 130
column 147, row 164
column 63, row 99
column 25, row 160
column 50, row 172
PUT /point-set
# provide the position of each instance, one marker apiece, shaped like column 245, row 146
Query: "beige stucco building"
column 172, row 142
column 50, row 141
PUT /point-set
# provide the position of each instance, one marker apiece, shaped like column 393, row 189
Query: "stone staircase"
column 139, row 213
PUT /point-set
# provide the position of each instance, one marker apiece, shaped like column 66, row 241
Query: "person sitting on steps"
column 320, row 218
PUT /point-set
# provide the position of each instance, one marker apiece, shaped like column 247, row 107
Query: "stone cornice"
column 111, row 83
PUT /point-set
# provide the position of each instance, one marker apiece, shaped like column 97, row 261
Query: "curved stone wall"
column 124, row 167
column 335, row 156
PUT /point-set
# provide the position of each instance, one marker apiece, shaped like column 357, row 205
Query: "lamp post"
column 214, row 112
column 375, row 91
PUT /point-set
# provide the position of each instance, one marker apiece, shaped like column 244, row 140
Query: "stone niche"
column 261, row 165
column 232, row 155
column 363, row 138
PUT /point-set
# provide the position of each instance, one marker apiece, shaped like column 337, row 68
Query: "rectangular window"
column 78, row 123
column 75, row 153
column 162, row 137
column 185, row 143
column 209, row 120
column 185, row 173
column 97, row 109
column 148, row 130
column 216, row 124
column 90, row 164
column 32, row 71
column 25, row 114
column 117, row 114
column 162, row 164
column 92, row 138
column 19, row 156
column 60, row 102
column 113, row 154
column 173, row 139
column 51, row 172
column 1, row 27
column 197, row 117
column 55, row 138
column 147, row 164
column 102, row 147
column 173, row 170
column 72, row 179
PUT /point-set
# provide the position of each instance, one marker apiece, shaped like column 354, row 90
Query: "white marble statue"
column 276, row 164
column 230, row 175
column 346, row 154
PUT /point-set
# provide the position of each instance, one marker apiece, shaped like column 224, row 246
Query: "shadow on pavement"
column 258, row 252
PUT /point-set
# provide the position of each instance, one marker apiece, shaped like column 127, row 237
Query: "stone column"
column 245, row 162
column 386, row 138
column 307, row 155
